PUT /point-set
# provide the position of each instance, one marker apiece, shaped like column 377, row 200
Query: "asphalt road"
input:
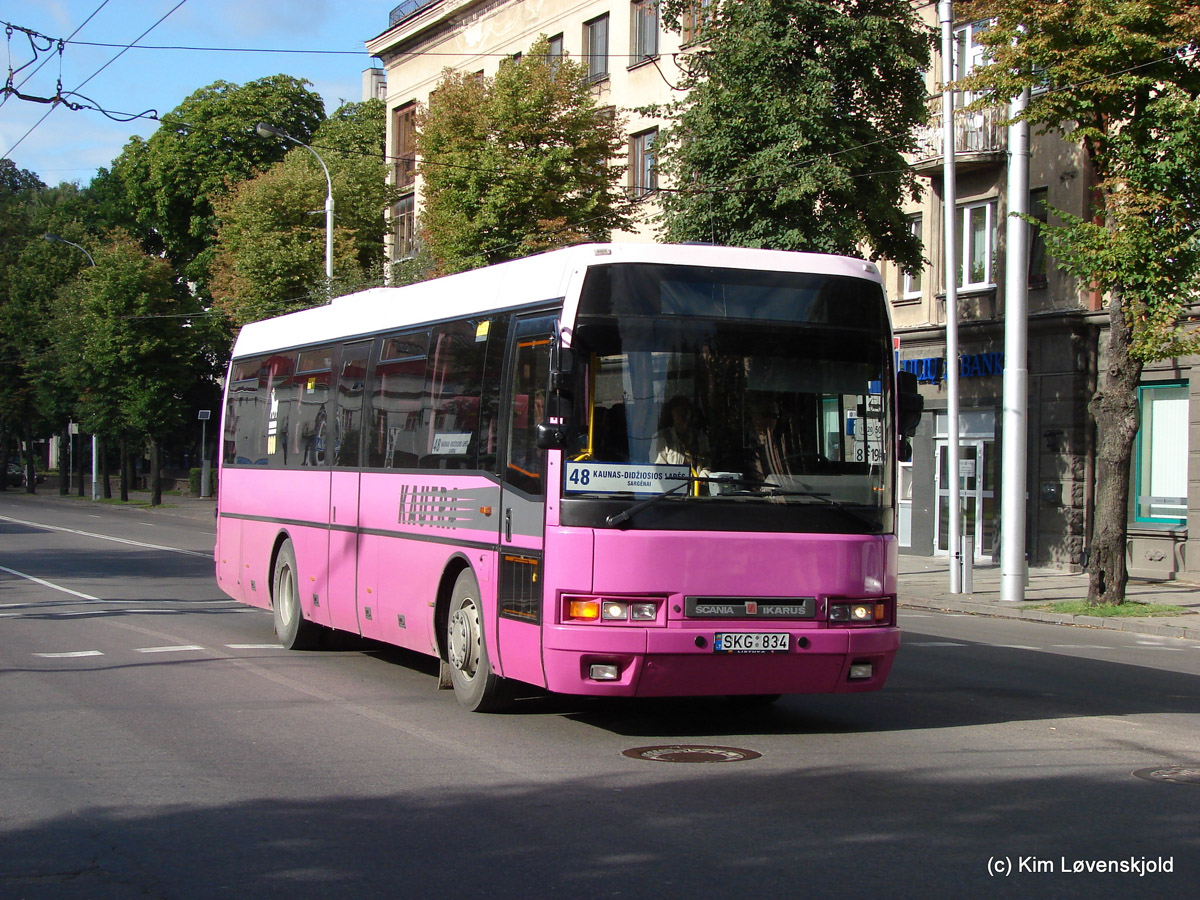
column 156, row 743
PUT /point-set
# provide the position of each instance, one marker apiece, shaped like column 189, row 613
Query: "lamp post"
column 268, row 131
column 54, row 238
column 58, row 240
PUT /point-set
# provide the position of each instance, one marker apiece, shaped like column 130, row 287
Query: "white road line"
column 1082, row 646
column 71, row 655
column 1016, row 646
column 106, row 537
column 181, row 648
column 254, row 646
column 44, row 583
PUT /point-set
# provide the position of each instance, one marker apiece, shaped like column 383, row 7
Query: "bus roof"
column 523, row 282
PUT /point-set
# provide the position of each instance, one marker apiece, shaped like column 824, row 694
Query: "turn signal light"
column 861, row 612
column 609, row 609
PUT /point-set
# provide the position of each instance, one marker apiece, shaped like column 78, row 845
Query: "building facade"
column 1066, row 348
column 632, row 64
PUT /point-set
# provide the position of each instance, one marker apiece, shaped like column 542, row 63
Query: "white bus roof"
column 548, row 276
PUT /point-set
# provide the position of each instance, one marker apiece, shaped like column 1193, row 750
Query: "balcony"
column 980, row 139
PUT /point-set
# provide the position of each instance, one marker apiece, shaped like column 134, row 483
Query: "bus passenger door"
column 344, row 487
column 523, row 501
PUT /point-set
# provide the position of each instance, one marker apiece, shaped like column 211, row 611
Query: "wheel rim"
column 286, row 595
column 465, row 639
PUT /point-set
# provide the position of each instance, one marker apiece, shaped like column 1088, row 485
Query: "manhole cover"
column 1171, row 774
column 691, row 753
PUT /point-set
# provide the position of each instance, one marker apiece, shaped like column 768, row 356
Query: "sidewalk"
column 925, row 584
column 182, row 506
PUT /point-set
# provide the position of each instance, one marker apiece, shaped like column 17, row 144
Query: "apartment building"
column 1066, row 352
column 632, row 63
column 629, row 57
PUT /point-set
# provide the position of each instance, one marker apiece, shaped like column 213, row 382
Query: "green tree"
column 200, row 148
column 792, row 132
column 269, row 256
column 1123, row 82
column 133, row 339
column 516, row 164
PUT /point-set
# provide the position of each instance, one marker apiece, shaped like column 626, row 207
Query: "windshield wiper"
column 628, row 513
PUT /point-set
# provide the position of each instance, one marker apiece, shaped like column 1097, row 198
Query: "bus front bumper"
column 682, row 662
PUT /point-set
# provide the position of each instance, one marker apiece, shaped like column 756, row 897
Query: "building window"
column 404, row 143
column 969, row 55
column 643, row 30
column 555, row 49
column 404, row 225
column 595, row 48
column 1162, row 454
column 1038, row 206
column 642, row 173
column 912, row 281
column 976, row 234
column 697, row 20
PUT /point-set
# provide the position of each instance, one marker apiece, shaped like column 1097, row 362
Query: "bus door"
column 343, row 496
column 523, row 501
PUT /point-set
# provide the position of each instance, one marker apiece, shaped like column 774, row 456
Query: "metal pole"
column 95, row 467
column 950, row 209
column 1014, row 453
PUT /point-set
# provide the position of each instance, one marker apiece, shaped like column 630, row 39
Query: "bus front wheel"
column 293, row 630
column 476, row 686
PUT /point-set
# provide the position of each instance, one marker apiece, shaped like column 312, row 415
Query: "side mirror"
column 552, row 436
column 909, row 406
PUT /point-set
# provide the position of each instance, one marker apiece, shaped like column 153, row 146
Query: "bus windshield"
column 744, row 400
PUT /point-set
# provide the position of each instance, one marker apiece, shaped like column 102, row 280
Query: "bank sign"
column 932, row 369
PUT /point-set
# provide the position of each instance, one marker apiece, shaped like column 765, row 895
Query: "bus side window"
column 452, row 397
column 245, row 421
column 490, row 409
column 531, row 375
column 311, row 432
column 348, row 419
column 396, row 415
column 280, row 397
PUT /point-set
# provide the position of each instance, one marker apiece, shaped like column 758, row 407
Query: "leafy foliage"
column 204, row 144
column 792, row 133
column 269, row 256
column 516, row 164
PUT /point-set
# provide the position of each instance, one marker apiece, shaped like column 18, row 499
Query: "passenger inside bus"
column 680, row 441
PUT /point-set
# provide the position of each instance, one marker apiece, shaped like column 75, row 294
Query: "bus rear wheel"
column 293, row 630
column 476, row 686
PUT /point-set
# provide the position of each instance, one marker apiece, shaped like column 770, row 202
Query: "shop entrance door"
column 977, row 471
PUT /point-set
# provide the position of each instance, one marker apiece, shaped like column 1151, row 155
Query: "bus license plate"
column 752, row 642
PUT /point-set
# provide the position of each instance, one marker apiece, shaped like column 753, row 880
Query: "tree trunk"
column 1115, row 410
column 125, row 465
column 155, row 473
column 64, row 462
column 30, row 469
column 105, row 470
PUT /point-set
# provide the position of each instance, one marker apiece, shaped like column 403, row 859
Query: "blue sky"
column 71, row 145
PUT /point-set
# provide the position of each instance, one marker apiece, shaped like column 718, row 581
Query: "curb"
column 1144, row 626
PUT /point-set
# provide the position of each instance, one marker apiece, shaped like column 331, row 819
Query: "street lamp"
column 56, row 239
column 269, row 131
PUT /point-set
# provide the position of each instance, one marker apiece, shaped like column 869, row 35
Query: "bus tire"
column 476, row 686
column 293, row 630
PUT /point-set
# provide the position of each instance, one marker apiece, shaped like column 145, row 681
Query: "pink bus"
column 612, row 470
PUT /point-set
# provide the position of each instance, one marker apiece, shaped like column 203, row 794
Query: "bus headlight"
column 861, row 612
column 609, row 609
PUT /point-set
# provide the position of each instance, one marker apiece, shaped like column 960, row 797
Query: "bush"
column 194, row 476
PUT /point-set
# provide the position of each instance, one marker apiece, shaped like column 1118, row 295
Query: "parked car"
column 16, row 475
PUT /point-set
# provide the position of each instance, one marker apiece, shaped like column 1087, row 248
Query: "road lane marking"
column 49, row 584
column 107, row 537
column 74, row 654
column 180, row 648
column 254, row 646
